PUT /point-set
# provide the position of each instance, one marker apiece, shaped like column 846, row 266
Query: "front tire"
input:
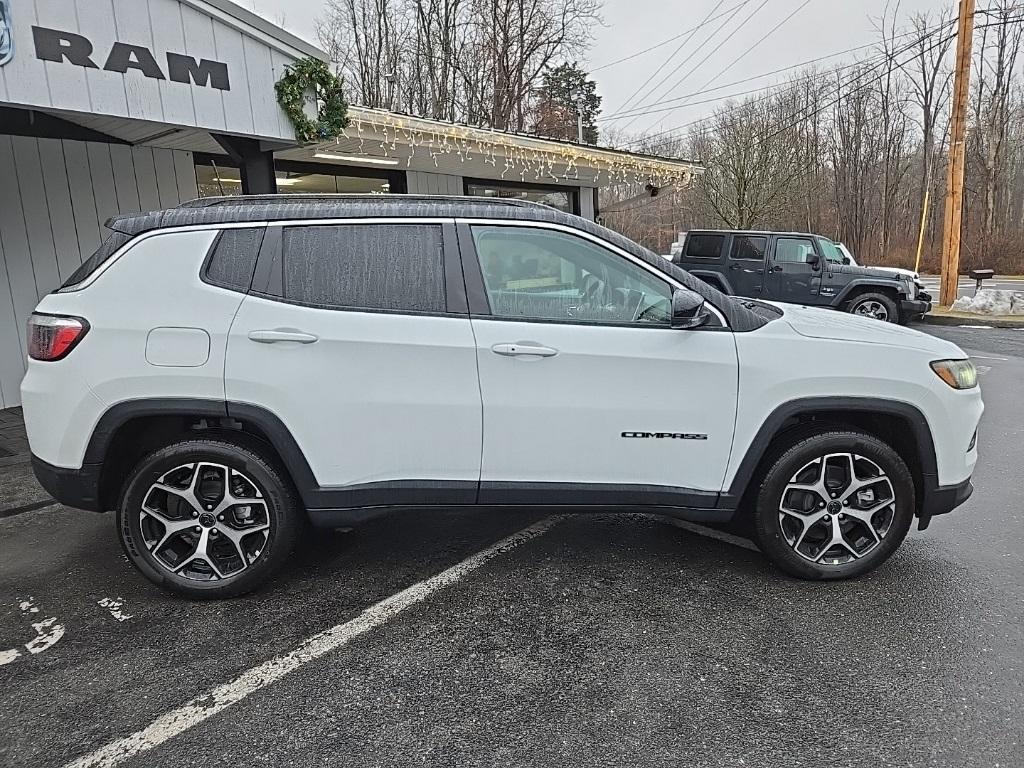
column 875, row 305
column 208, row 518
column 834, row 505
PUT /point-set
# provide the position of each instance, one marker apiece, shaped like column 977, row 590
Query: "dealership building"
column 126, row 105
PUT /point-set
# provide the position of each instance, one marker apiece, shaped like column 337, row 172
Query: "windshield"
column 829, row 249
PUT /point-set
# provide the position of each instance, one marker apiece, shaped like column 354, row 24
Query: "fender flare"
column 857, row 285
column 772, row 427
column 277, row 434
column 718, row 277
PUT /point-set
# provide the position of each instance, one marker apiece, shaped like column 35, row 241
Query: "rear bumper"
column 942, row 499
column 78, row 488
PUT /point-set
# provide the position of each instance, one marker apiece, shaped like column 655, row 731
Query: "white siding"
column 52, row 215
column 423, row 183
column 255, row 62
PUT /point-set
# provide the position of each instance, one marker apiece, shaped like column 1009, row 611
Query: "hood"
column 850, row 269
column 816, row 323
column 898, row 271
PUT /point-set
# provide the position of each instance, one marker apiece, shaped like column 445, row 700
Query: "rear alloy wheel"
column 835, row 505
column 877, row 306
column 208, row 518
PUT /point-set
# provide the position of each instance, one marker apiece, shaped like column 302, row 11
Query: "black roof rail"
column 297, row 199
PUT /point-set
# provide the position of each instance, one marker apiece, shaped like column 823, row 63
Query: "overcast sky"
column 818, row 28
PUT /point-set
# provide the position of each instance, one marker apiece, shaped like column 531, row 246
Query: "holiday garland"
column 306, row 75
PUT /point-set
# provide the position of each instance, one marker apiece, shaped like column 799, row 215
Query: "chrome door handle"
column 519, row 348
column 282, row 334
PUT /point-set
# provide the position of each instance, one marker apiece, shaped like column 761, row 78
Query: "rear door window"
column 392, row 267
column 700, row 246
column 748, row 247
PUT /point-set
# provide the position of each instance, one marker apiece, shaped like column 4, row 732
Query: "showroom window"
column 563, row 198
column 219, row 177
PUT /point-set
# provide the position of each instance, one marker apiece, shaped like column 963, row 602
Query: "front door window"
column 541, row 274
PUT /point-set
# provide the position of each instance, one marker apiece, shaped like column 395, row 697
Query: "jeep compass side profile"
column 225, row 371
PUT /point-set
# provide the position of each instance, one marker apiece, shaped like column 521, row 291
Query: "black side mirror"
column 814, row 260
column 688, row 310
column 846, row 260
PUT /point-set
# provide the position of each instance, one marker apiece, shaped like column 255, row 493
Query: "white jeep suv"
column 223, row 372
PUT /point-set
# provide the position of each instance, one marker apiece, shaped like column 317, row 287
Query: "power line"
column 764, row 37
column 798, row 65
column 665, row 42
column 841, row 93
column 680, row 47
column 702, row 61
column 879, row 60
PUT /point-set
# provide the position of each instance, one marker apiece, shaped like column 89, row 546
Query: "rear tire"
column 875, row 305
column 208, row 518
column 834, row 505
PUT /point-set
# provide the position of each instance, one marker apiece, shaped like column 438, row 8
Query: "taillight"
column 52, row 337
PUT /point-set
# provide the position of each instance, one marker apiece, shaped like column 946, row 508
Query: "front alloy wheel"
column 877, row 306
column 834, row 504
column 837, row 508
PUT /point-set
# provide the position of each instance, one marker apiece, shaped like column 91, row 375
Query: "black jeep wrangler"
column 798, row 268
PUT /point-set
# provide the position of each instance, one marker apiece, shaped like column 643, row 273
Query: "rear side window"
column 398, row 267
column 748, row 247
column 704, row 246
column 114, row 241
column 233, row 258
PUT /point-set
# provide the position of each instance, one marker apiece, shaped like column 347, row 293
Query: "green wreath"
column 312, row 74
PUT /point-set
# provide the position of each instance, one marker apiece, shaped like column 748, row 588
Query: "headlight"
column 959, row 374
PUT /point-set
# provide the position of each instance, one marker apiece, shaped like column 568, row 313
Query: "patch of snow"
column 991, row 302
column 27, row 606
column 48, row 633
column 115, row 606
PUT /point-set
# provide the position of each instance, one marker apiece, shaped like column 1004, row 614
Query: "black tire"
column 804, row 449
column 284, row 514
column 863, row 300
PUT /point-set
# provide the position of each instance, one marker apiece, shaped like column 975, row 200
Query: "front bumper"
column 78, row 488
column 914, row 307
column 942, row 499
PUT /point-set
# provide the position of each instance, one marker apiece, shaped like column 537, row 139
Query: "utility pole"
column 578, row 97
column 957, row 151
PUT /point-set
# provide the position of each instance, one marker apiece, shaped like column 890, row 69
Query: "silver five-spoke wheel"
column 872, row 308
column 837, row 508
column 205, row 521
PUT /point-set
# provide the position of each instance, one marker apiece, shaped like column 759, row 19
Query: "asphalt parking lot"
column 588, row 640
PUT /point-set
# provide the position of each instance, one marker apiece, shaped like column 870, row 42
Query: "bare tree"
column 998, row 47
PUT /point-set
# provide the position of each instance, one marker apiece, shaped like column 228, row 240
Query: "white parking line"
column 982, row 357
column 206, row 705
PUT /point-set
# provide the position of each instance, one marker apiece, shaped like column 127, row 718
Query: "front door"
column 351, row 344
column 747, row 256
column 589, row 396
column 793, row 276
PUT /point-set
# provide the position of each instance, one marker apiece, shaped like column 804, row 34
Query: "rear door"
column 793, row 276
column 747, row 255
column 356, row 336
